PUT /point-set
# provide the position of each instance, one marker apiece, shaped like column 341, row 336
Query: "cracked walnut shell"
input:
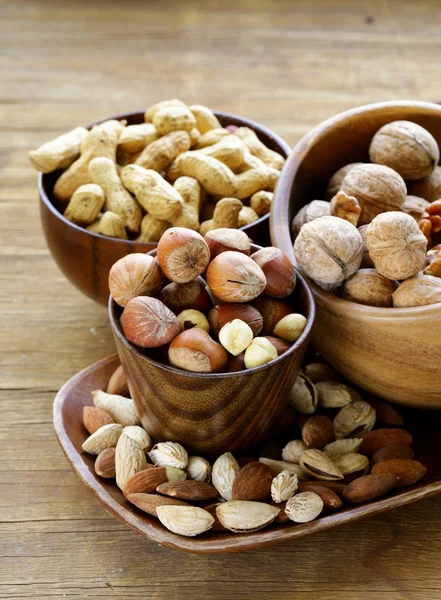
column 328, row 250
column 396, row 245
column 407, row 148
column 377, row 189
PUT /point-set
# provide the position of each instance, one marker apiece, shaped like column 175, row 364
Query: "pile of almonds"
column 337, row 459
column 178, row 168
column 241, row 298
column 377, row 239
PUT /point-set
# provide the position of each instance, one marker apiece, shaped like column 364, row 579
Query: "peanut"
column 94, row 227
column 215, row 177
column 226, row 214
column 270, row 158
column 85, row 204
column 229, row 150
column 112, row 225
column 126, row 158
column 255, row 176
column 192, row 194
column 101, row 141
column 151, row 112
column 103, row 172
column 151, row 229
column 173, row 118
column 247, row 216
column 206, row 120
column 212, row 137
column 154, row 194
column 135, row 138
column 195, row 136
column 160, row 154
column 260, row 202
column 60, row 152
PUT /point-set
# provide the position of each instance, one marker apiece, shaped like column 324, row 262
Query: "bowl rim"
column 245, row 122
column 112, row 306
column 279, row 210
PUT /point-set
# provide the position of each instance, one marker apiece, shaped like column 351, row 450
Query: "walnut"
column 334, row 184
column 377, row 189
column 309, row 212
column 346, row 207
column 434, row 258
column 366, row 261
column 418, row 291
column 407, row 148
column 428, row 188
column 414, row 206
column 367, row 286
column 396, row 245
column 328, row 250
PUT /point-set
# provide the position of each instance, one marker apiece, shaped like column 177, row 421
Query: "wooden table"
column 64, row 63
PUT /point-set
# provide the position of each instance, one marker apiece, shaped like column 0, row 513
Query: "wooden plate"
column 76, row 393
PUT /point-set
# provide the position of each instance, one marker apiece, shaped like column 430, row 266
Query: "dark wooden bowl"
column 387, row 351
column 85, row 258
column 68, row 412
column 211, row 413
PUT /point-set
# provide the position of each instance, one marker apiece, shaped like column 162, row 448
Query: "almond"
column 331, row 500
column 94, row 418
column 282, row 517
column 335, row 486
column 118, row 383
column 105, row 437
column 150, row 502
column 129, row 459
column 189, row 489
column 185, row 520
column 369, row 487
column 392, row 451
column 320, row 466
column 105, row 463
column 146, row 481
column 245, row 516
column 386, row 413
column 318, row 431
column 253, row 482
column 121, row 409
column 379, row 438
column 407, row 470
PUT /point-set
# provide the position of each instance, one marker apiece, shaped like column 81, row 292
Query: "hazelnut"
column 345, row 207
column 148, row 323
column 406, row 147
column 259, row 352
column 182, row 254
column 396, row 245
column 328, row 250
column 377, row 189
column 235, row 363
column 428, row 188
column 272, row 311
column 223, row 239
column 134, row 275
column 235, row 277
column 278, row 270
column 183, row 296
column 310, row 212
column 193, row 318
column 366, row 261
column 222, row 314
column 414, row 206
column 291, row 327
column 280, row 345
column 334, row 184
column 418, row 291
column 367, row 286
column 235, row 336
column 194, row 350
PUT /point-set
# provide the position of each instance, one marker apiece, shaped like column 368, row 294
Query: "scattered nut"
column 259, row 352
column 193, row 318
column 304, row 507
column 291, row 327
column 169, row 454
column 236, row 336
column 303, row 395
column 283, row 486
column 354, row 418
column 293, row 451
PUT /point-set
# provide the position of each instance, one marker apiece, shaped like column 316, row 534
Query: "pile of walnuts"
column 377, row 237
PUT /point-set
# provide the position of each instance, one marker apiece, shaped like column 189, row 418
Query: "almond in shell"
column 369, row 487
column 224, row 473
column 129, row 459
column 304, row 507
column 303, row 395
column 105, row 463
column 353, row 419
column 140, row 436
column 333, row 394
column 169, row 454
column 94, row 418
column 341, row 447
column 185, row 520
column 293, row 451
column 198, row 468
column 277, row 466
column 244, row 516
column 105, row 437
column 150, row 502
column 121, row 409
column 407, row 470
column 318, row 465
column 252, row 482
column 352, row 463
column 284, row 485
column 196, row 491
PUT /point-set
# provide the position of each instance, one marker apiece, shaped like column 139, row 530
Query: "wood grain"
column 288, row 66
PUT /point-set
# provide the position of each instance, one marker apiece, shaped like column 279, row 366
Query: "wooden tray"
column 76, row 393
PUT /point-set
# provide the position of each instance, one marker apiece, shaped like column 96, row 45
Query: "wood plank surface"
column 64, row 63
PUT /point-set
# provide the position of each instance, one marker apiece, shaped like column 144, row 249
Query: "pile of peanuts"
column 179, row 168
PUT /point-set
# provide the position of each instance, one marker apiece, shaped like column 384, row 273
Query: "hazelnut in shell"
column 406, row 147
column 279, row 272
column 291, row 327
column 195, row 350
column 236, row 336
column 193, row 318
column 184, row 296
column 235, row 277
column 224, row 239
column 418, row 291
column 235, row 363
column 259, row 352
column 222, row 314
column 280, row 345
column 134, row 275
column 328, row 250
column 148, row 323
column 182, row 254
column 377, row 189
column 272, row 311
column 396, row 245
column 367, row 286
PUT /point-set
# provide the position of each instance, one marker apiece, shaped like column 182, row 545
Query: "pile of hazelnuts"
column 232, row 318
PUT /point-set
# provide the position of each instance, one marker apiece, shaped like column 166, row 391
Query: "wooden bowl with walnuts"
column 356, row 209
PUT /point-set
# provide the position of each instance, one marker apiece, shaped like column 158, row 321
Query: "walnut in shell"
column 414, row 206
column 418, row 291
column 428, row 188
column 309, row 212
column 367, row 286
column 406, row 147
column 334, row 184
column 328, row 250
column 377, row 189
column 366, row 261
column 396, row 245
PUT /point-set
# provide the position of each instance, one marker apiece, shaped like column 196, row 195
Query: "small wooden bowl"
column 85, row 258
column 218, row 412
column 389, row 352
